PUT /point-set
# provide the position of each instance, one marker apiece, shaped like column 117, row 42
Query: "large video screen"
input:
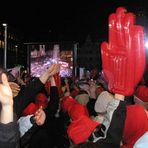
column 43, row 55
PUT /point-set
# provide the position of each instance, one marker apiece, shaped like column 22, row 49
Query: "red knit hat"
column 142, row 93
column 41, row 100
column 78, row 110
column 80, row 130
column 136, row 124
column 30, row 109
column 67, row 103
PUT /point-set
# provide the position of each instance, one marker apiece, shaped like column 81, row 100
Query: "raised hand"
column 123, row 57
column 6, row 100
column 6, row 97
column 52, row 70
column 40, row 116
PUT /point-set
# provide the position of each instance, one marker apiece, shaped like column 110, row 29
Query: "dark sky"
column 62, row 20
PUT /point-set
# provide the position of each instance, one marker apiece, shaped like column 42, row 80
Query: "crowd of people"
column 56, row 112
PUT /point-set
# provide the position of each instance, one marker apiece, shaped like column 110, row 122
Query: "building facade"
column 89, row 55
column 14, row 48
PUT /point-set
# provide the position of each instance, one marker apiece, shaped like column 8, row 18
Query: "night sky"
column 63, row 20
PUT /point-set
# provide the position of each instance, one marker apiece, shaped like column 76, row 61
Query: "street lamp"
column 5, row 45
column 16, row 50
column 75, row 58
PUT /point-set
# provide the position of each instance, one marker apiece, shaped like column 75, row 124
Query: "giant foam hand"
column 123, row 57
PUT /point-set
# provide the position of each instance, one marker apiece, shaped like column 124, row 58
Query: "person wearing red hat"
column 133, row 129
column 120, row 54
column 41, row 100
column 79, row 118
column 32, row 88
column 83, row 129
column 49, row 135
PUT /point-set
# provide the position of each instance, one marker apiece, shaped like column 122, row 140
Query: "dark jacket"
column 26, row 95
column 9, row 135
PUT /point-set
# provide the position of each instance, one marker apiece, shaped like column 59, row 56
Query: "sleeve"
column 24, row 124
column 53, row 104
column 9, row 135
column 113, row 130
column 27, row 95
column 27, row 137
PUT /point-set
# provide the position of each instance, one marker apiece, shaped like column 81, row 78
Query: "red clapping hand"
column 123, row 57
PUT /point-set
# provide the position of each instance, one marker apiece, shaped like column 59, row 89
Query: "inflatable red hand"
column 123, row 58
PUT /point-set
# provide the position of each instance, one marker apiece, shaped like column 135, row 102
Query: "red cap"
column 78, row 110
column 30, row 109
column 67, row 103
column 41, row 100
column 136, row 124
column 80, row 130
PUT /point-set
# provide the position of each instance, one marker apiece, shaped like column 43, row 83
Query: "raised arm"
column 6, row 99
column 9, row 134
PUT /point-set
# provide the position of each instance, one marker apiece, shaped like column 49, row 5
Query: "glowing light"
column 4, row 24
column 146, row 44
